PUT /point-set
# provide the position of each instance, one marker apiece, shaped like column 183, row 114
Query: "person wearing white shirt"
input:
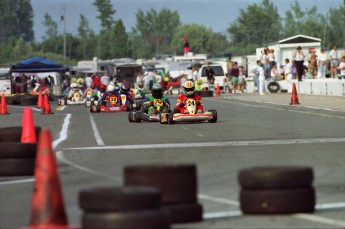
column 105, row 79
column 333, row 56
column 259, row 77
column 299, row 57
column 88, row 81
column 321, row 62
column 342, row 68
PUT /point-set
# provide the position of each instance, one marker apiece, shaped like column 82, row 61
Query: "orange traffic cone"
column 3, row 109
column 46, row 106
column 40, row 100
column 294, row 95
column 28, row 127
column 217, row 90
column 47, row 210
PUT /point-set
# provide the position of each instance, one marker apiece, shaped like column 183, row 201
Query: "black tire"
column 215, row 116
column 14, row 134
column 178, row 183
column 137, row 116
column 28, row 100
column 185, row 212
column 275, row 177
column 171, row 118
column 13, row 150
column 205, row 93
column 17, row 167
column 119, row 199
column 13, row 100
column 273, row 87
column 279, row 201
column 131, row 116
column 132, row 220
column 98, row 108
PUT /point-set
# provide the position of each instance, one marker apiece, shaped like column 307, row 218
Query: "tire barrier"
column 205, row 93
column 177, row 183
column 277, row 190
column 28, row 100
column 136, row 207
column 13, row 134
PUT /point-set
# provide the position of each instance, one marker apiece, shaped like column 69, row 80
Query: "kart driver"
column 75, row 90
column 125, row 90
column 111, row 95
column 151, row 101
column 188, row 92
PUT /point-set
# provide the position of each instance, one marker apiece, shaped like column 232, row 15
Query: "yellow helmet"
column 189, row 87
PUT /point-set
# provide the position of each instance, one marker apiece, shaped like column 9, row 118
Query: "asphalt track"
column 93, row 149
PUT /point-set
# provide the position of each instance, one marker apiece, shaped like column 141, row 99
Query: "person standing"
column 186, row 47
column 321, row 62
column 299, row 57
column 105, row 79
column 88, row 81
column 312, row 67
column 271, row 61
column 333, row 56
column 96, row 81
column 235, row 72
column 210, row 76
column 342, row 68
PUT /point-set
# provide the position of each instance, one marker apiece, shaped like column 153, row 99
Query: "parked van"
column 219, row 75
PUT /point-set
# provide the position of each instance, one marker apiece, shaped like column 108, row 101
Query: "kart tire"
column 98, row 108
column 129, row 107
column 93, row 109
column 14, row 134
column 177, row 183
column 273, row 87
column 13, row 150
column 131, row 116
column 28, row 100
column 275, row 177
column 185, row 212
column 159, row 218
column 171, row 118
column 119, row 199
column 137, row 116
column 214, row 116
column 17, row 167
column 278, row 201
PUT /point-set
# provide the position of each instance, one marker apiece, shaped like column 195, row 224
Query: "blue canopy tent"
column 38, row 64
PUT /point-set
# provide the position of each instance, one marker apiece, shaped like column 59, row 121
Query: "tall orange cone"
column 218, row 90
column 28, row 127
column 3, row 109
column 47, row 210
column 40, row 100
column 46, row 106
column 294, row 95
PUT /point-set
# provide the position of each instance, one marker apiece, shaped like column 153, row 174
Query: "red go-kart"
column 112, row 104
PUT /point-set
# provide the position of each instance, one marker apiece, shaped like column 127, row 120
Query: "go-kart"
column 77, row 99
column 157, row 116
column 190, row 114
column 113, row 104
column 88, row 96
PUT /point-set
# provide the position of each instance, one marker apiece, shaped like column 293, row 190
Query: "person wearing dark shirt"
column 235, row 72
column 210, row 76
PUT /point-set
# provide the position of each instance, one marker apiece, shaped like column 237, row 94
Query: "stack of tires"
column 123, row 207
column 205, row 93
column 16, row 158
column 177, row 183
column 277, row 190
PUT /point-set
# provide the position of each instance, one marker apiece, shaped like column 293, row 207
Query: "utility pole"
column 64, row 35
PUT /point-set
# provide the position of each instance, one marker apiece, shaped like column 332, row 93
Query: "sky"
column 214, row 14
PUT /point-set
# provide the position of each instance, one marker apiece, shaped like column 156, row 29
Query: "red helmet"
column 103, row 88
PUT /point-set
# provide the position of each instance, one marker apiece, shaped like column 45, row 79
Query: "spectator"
column 281, row 71
column 299, row 57
column 88, row 81
column 271, row 61
column 294, row 69
column 288, row 70
column 259, row 77
column 148, row 81
column 210, row 76
column 333, row 56
column 105, row 79
column 241, row 81
column 275, row 75
column 263, row 60
column 342, row 68
column 96, row 81
column 312, row 68
column 235, row 72
column 322, row 63
column 186, row 47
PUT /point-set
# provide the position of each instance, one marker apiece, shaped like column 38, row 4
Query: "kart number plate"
column 114, row 108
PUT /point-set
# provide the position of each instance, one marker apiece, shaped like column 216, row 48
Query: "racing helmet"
column 103, row 88
column 111, row 88
column 157, row 91
column 199, row 81
column 189, row 87
column 74, row 86
column 141, row 84
column 124, row 89
column 117, row 87
column 80, row 82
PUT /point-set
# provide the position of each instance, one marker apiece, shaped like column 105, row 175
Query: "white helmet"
column 111, row 88
column 74, row 85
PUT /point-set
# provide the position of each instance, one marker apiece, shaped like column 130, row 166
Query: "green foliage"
column 51, row 27
column 118, row 41
column 106, row 13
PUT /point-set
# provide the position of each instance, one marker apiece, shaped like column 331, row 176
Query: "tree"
column 336, row 27
column 106, row 13
column 24, row 14
column 119, row 45
column 258, row 24
column 84, row 33
column 51, row 27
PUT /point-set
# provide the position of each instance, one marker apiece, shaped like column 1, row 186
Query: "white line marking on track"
column 96, row 132
column 63, row 132
column 217, row 215
column 214, row 144
column 17, row 181
column 320, row 219
column 219, row 200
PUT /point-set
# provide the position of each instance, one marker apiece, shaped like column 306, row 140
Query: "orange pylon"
column 217, row 90
column 40, row 100
column 46, row 106
column 28, row 127
column 294, row 95
column 3, row 109
column 47, row 210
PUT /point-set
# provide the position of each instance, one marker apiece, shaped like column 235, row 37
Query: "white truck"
column 219, row 75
